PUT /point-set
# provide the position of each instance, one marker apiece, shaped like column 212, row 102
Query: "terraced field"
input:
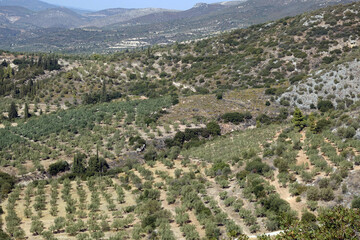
column 196, row 195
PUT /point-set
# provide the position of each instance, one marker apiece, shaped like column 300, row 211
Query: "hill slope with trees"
column 234, row 136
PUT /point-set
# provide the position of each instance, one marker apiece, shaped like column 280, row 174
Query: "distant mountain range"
column 32, row 25
column 45, row 15
column 33, row 5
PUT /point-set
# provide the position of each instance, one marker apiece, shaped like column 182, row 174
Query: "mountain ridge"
column 34, row 5
column 118, row 29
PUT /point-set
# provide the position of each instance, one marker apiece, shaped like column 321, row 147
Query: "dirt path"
column 333, row 145
column 285, row 194
column 302, row 158
column 327, row 159
column 276, row 137
column 271, row 234
column 196, row 223
column 174, row 227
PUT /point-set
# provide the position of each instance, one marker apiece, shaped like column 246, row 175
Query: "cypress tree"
column 13, row 111
column 1, row 74
column 312, row 123
column 149, row 52
column 78, row 165
column 4, row 63
column 9, row 72
column 104, row 96
column 40, row 63
column 26, row 111
column 97, row 165
column 299, row 119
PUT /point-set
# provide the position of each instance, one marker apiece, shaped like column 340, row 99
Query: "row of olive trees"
column 12, row 219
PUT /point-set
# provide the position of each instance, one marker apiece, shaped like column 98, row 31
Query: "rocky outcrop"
column 33, row 176
column 340, row 85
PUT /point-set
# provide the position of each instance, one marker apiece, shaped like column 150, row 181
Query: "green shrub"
column 7, row 183
column 313, row 194
column 270, row 91
column 202, row 90
column 241, row 175
column 229, row 201
column 328, row 60
column 321, row 125
column 257, row 166
column 327, row 194
column 297, row 78
column 275, row 204
column 150, row 155
column 356, row 203
column 264, row 119
column 221, row 168
column 308, row 217
column 348, row 132
column 334, row 223
column 223, row 195
column 325, row 105
column 4, row 236
column 284, row 102
column 233, row 117
column 312, row 205
column 213, row 128
column 236, row 117
column 60, row 166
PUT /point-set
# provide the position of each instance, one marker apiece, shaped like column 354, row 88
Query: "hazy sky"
column 103, row 4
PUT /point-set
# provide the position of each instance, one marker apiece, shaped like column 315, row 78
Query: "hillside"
column 249, row 134
column 54, row 18
column 33, row 5
column 134, row 28
column 273, row 54
column 244, row 182
column 119, row 15
column 11, row 14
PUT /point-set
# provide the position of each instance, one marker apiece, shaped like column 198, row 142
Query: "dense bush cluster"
column 60, row 166
column 325, row 105
column 192, row 137
column 27, row 68
column 93, row 98
column 335, row 223
column 94, row 166
column 7, row 183
column 236, row 117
